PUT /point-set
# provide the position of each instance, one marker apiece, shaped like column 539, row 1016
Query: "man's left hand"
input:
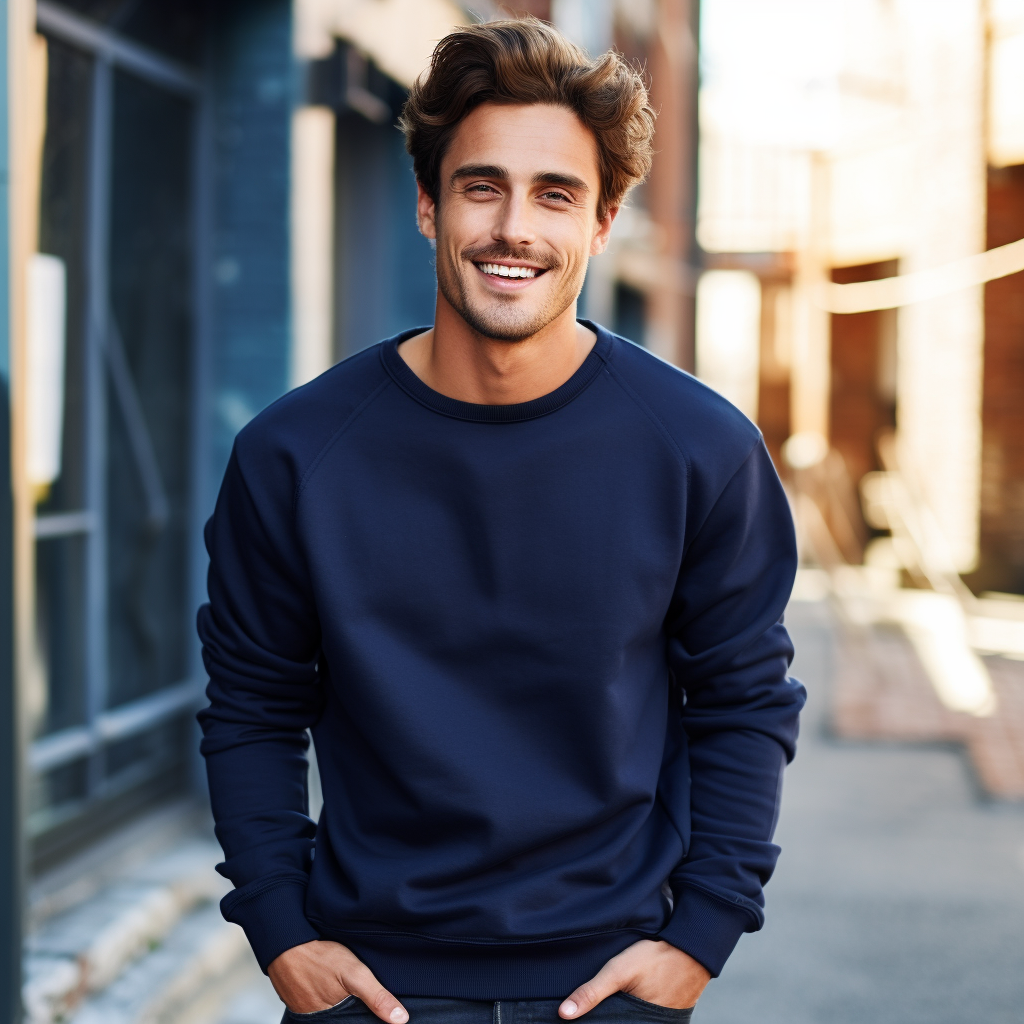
column 651, row 970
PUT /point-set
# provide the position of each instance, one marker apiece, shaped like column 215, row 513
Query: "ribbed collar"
column 397, row 367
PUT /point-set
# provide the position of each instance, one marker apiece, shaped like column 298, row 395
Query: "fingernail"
column 569, row 1008
column 399, row 1016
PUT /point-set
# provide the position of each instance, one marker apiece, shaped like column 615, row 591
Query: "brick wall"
column 519, row 8
column 773, row 386
column 862, row 400
column 1001, row 565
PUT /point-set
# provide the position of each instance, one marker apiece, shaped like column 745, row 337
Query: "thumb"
column 360, row 981
column 605, row 983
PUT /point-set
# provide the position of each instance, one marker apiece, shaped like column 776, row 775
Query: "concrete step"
column 241, row 996
column 202, row 963
column 88, row 948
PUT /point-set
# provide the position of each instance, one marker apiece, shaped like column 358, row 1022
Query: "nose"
column 513, row 226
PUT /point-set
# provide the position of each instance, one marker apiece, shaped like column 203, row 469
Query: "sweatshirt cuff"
column 705, row 928
column 273, row 918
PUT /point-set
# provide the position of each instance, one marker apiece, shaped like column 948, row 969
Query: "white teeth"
column 500, row 270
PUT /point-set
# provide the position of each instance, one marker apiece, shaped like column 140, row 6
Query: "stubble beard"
column 502, row 317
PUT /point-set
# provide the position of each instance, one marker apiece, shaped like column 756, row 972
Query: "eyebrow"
column 541, row 178
column 565, row 180
column 480, row 171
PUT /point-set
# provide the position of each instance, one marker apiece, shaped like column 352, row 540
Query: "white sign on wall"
column 44, row 369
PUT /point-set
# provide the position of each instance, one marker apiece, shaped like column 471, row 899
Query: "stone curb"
column 85, row 950
column 202, row 949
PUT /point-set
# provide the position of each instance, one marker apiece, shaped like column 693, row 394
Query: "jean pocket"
column 317, row 1015
column 642, row 1010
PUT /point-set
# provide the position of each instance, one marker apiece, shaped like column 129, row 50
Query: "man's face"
column 516, row 219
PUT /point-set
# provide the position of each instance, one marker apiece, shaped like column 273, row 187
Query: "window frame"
column 102, row 726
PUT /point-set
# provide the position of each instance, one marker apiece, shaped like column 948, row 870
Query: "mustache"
column 499, row 251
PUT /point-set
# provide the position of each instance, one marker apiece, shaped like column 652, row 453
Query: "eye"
column 481, row 187
column 558, row 197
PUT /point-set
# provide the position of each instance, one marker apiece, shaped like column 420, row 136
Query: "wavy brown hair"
column 528, row 61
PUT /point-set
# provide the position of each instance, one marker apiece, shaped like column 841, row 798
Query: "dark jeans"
column 617, row 1009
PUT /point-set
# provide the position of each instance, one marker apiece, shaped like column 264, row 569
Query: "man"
column 524, row 583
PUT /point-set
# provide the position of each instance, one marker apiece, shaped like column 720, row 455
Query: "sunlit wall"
column 852, row 132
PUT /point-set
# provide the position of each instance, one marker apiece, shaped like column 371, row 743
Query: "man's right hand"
column 319, row 974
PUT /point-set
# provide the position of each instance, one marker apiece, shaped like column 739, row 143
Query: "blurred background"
column 207, row 203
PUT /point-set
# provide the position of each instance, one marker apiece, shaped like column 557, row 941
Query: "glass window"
column 149, row 411
column 60, row 632
column 56, row 691
column 109, row 687
column 62, row 223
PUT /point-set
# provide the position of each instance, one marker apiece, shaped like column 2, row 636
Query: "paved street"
column 899, row 896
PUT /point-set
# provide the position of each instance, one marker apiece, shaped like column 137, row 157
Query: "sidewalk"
column 899, row 897
column 130, row 933
column 881, row 691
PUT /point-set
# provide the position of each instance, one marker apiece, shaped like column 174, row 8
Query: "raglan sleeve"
column 736, row 717
column 261, row 643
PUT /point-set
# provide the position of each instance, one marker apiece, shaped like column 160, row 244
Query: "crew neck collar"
column 403, row 376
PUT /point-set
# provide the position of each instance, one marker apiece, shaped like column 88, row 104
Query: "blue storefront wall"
column 385, row 267
column 384, row 280
column 254, row 79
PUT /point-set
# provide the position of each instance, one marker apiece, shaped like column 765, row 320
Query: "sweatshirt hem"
column 408, row 964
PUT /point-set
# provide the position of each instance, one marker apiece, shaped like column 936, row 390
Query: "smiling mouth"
column 504, row 270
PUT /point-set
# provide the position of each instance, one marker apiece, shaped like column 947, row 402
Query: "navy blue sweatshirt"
column 540, row 651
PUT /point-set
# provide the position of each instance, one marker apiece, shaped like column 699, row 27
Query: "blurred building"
column 855, row 142
column 210, row 204
column 861, row 176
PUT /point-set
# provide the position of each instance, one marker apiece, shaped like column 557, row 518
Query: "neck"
column 461, row 363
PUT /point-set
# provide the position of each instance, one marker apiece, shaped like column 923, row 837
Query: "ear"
column 426, row 212
column 599, row 242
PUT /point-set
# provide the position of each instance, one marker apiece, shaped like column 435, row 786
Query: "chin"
column 513, row 318
column 506, row 325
